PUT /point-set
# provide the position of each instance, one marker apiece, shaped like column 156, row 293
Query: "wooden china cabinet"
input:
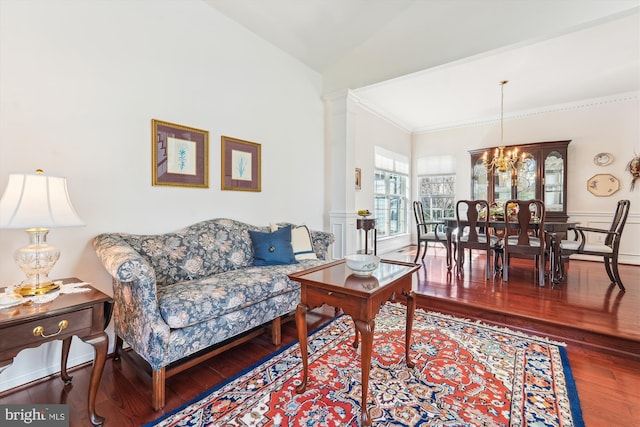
column 541, row 174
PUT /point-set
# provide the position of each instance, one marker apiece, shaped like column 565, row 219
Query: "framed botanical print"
column 180, row 155
column 241, row 165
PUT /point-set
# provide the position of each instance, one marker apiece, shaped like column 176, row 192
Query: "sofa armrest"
column 321, row 240
column 121, row 261
column 137, row 318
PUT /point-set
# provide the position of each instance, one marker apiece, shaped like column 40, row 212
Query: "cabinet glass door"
column 480, row 181
column 502, row 187
column 554, row 182
column 526, row 185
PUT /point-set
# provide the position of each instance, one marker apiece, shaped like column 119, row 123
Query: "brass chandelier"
column 502, row 160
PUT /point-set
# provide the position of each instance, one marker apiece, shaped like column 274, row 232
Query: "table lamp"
column 36, row 203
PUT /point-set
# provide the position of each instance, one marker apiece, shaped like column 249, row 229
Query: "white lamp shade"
column 37, row 201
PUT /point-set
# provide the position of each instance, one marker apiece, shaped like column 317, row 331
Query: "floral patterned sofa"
column 176, row 294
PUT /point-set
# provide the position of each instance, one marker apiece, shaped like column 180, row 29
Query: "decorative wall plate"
column 603, row 185
column 603, row 159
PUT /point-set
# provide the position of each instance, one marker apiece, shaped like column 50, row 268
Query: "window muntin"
column 390, row 203
column 391, row 192
column 437, row 194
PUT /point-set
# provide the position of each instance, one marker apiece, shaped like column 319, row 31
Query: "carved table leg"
column 366, row 331
column 356, row 338
column 301, row 326
column 411, row 306
column 100, row 345
column 66, row 345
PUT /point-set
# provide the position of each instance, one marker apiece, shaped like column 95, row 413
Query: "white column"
column 340, row 143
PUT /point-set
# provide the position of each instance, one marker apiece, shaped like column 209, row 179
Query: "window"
column 437, row 194
column 391, row 188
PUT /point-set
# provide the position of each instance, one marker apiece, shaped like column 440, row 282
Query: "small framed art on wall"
column 241, row 165
column 180, row 155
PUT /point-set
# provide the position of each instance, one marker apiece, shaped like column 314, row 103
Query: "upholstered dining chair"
column 524, row 235
column 473, row 232
column 608, row 250
column 427, row 231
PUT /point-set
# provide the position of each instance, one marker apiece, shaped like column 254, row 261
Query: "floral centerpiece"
column 512, row 209
column 496, row 211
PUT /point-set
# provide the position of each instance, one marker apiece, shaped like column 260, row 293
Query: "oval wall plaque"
column 603, row 159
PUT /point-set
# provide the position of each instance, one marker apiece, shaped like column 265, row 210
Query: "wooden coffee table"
column 360, row 297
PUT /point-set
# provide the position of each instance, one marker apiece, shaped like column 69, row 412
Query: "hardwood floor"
column 600, row 325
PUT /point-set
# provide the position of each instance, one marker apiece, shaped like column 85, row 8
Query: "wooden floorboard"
column 586, row 309
column 600, row 325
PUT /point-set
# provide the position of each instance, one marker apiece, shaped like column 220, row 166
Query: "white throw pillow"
column 300, row 241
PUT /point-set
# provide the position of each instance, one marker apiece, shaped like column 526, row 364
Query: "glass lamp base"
column 36, row 260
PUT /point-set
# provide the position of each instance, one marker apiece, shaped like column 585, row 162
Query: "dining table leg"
column 556, row 270
column 449, row 233
column 555, row 259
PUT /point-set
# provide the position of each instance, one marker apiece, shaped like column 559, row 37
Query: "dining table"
column 555, row 231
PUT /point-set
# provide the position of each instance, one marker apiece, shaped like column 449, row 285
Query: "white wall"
column 371, row 131
column 610, row 125
column 80, row 81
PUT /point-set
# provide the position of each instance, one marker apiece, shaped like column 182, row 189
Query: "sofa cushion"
column 187, row 303
column 272, row 248
column 200, row 250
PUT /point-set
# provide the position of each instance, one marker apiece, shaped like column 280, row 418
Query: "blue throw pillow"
column 272, row 248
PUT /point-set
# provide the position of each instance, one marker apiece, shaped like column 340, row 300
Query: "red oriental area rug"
column 466, row 374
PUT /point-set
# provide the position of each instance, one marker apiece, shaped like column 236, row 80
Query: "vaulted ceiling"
column 430, row 64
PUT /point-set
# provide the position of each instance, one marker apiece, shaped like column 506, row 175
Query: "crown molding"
column 380, row 113
column 558, row 108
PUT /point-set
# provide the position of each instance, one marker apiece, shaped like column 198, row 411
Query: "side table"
column 84, row 315
column 330, row 284
column 368, row 224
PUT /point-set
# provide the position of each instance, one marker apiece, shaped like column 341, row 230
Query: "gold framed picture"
column 179, row 155
column 241, row 165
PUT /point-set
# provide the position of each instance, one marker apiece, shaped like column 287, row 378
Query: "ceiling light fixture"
column 502, row 161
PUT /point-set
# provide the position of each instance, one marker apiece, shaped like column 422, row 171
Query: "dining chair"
column 524, row 235
column 427, row 231
column 608, row 249
column 473, row 232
